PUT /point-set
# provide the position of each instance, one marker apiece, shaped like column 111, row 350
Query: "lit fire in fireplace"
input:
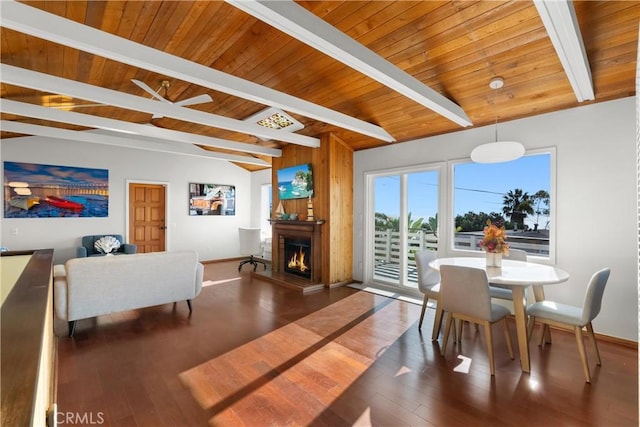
column 297, row 261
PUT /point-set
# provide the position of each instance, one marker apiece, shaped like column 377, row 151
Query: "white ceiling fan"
column 165, row 84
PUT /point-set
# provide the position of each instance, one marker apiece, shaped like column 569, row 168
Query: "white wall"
column 596, row 220
column 258, row 179
column 214, row 237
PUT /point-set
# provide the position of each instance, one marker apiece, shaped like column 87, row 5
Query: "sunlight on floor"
column 364, row 419
column 219, row 282
column 403, row 370
column 389, row 294
column 346, row 332
column 464, row 365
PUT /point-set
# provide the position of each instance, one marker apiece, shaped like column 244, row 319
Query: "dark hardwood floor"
column 257, row 354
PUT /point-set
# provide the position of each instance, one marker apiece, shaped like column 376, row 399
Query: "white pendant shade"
column 499, row 151
column 495, row 152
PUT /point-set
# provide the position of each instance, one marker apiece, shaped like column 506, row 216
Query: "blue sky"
column 38, row 175
column 478, row 187
column 287, row 174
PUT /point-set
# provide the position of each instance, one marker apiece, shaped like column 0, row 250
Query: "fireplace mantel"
column 298, row 229
column 287, row 222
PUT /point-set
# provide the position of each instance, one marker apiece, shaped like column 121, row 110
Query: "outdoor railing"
column 387, row 244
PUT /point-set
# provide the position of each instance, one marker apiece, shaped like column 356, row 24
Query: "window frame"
column 448, row 233
column 369, row 220
column 266, row 202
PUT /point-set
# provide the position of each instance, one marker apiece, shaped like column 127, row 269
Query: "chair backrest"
column 516, row 255
column 465, row 290
column 593, row 297
column 250, row 243
column 427, row 276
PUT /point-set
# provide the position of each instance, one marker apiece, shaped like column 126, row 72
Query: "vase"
column 494, row 259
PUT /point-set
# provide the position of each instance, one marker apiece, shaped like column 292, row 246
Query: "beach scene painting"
column 44, row 191
column 295, row 182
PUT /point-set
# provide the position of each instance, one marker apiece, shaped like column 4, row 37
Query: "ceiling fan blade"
column 200, row 99
column 146, row 88
column 74, row 106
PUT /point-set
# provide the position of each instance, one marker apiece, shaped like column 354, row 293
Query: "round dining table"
column 517, row 276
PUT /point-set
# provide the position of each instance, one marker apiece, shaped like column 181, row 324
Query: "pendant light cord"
column 498, row 151
column 495, row 110
column 495, row 84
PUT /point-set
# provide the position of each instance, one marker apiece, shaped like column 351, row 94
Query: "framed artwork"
column 212, row 199
column 43, row 191
column 295, row 182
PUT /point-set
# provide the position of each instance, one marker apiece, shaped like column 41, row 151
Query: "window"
column 265, row 211
column 517, row 194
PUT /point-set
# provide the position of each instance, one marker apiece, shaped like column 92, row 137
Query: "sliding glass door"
column 405, row 221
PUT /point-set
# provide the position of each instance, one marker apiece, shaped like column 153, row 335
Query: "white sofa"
column 89, row 287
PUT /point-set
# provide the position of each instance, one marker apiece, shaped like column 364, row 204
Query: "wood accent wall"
column 332, row 166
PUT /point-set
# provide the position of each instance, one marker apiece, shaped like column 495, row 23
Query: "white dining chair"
column 429, row 285
column 464, row 296
column 503, row 292
column 564, row 315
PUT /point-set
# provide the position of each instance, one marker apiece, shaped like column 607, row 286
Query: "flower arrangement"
column 494, row 239
column 106, row 244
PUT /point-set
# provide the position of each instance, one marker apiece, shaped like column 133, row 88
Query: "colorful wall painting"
column 212, row 199
column 44, row 191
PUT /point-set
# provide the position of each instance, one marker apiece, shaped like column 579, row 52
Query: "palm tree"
column 541, row 207
column 385, row 222
column 414, row 224
column 431, row 226
column 517, row 205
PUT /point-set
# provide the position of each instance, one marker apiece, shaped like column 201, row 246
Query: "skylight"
column 274, row 118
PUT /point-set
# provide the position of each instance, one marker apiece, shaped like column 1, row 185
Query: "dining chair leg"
column 542, row 326
column 538, row 293
column 455, row 333
column 447, row 328
column 460, row 324
column 507, row 337
column 424, row 307
column 437, row 322
column 583, row 353
column 546, row 331
column 531, row 323
column 592, row 338
column 489, row 339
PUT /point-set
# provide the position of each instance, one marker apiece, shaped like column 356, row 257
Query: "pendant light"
column 498, row 151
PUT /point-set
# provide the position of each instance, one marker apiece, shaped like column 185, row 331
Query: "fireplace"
column 298, row 257
column 297, row 251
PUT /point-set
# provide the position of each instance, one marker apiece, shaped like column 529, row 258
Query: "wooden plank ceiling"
column 454, row 47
